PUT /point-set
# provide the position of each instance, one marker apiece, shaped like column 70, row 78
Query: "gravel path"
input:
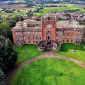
column 46, row 54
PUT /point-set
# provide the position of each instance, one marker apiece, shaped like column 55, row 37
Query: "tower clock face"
column 48, row 26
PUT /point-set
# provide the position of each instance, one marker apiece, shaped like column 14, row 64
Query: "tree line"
column 8, row 56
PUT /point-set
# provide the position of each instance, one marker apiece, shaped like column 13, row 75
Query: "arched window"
column 28, row 37
column 48, row 35
column 56, row 37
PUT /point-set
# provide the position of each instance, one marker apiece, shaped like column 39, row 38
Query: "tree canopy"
column 5, row 28
column 2, row 77
column 8, row 56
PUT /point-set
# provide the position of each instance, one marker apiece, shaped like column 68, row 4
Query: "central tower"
column 48, row 27
column 48, row 33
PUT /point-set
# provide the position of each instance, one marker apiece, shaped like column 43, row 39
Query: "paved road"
column 46, row 54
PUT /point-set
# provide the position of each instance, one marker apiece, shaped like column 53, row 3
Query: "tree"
column 21, row 18
column 8, row 56
column 5, row 28
column 30, row 5
column 2, row 77
column 41, row 11
column 0, row 16
column 15, row 18
column 29, row 14
column 59, row 19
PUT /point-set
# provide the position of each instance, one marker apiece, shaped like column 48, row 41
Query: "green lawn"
column 66, row 50
column 32, row 51
column 50, row 71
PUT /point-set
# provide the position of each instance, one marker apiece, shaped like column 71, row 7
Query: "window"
column 63, row 36
column 20, row 38
column 48, row 18
column 67, row 41
column 76, row 37
column 71, row 40
column 28, row 37
column 63, row 40
column 80, row 31
column 68, row 31
column 79, row 37
column 35, row 32
column 67, row 36
column 60, row 32
column 16, row 33
column 28, row 32
column 36, row 41
column 23, row 32
column 64, row 31
column 36, row 38
column 57, row 32
column 76, row 32
column 60, row 37
column 28, row 41
column 72, row 36
column 33, row 37
column 39, row 32
column 40, row 38
column 16, row 38
column 20, row 33
column 56, row 37
column 24, row 38
column 72, row 31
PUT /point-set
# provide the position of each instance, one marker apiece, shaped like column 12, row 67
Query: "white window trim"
column 36, row 32
column 24, row 38
column 28, row 32
column 72, row 36
column 16, row 33
column 67, row 36
column 33, row 32
column 39, row 32
column 63, row 37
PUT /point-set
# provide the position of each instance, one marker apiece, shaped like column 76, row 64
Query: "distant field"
column 46, row 10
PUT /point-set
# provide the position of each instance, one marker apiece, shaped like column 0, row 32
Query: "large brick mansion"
column 47, row 32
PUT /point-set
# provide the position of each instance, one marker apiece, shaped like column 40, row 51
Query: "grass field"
column 50, row 71
column 32, row 51
column 66, row 50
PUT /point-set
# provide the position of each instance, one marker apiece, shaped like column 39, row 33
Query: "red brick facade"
column 45, row 28
column 33, row 32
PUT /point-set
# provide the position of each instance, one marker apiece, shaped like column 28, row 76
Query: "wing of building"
column 47, row 32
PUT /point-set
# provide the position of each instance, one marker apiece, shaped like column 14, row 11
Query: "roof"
column 59, row 24
column 23, row 25
column 29, row 21
column 68, row 24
